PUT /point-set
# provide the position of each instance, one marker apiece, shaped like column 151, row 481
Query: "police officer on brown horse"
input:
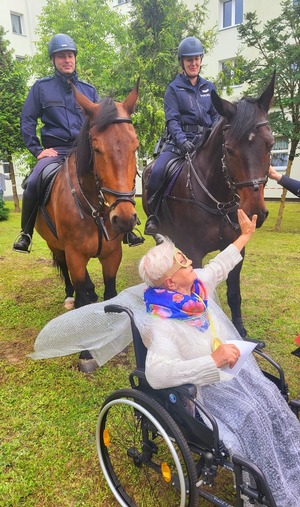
column 52, row 100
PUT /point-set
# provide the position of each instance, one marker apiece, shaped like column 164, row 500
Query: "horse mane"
column 106, row 115
column 245, row 119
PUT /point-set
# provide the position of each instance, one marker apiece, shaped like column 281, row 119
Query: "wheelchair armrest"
column 186, row 390
column 260, row 344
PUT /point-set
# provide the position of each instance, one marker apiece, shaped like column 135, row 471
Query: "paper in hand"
column 245, row 350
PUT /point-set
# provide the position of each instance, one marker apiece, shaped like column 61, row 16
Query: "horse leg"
column 234, row 298
column 59, row 260
column 90, row 287
column 77, row 268
column 110, row 266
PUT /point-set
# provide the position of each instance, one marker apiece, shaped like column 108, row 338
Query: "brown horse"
column 91, row 204
column 229, row 171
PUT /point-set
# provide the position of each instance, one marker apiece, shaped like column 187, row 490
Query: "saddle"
column 45, row 181
column 44, row 186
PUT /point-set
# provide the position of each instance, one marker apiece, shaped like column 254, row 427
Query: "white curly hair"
column 157, row 261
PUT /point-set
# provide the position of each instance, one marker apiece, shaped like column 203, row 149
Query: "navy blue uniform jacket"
column 52, row 100
column 290, row 184
column 186, row 104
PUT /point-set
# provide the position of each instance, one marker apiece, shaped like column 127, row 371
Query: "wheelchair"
column 155, row 450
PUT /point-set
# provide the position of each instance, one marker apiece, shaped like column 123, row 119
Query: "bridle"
column 225, row 208
column 233, row 185
column 121, row 196
column 104, row 208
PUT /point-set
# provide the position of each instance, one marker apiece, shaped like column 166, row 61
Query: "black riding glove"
column 187, row 147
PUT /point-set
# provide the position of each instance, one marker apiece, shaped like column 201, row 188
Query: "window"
column 5, row 167
column 16, row 23
column 280, row 153
column 232, row 12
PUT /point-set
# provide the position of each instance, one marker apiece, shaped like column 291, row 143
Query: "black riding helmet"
column 190, row 46
column 61, row 42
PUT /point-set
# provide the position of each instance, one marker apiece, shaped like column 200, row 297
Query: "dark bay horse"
column 230, row 170
column 91, row 204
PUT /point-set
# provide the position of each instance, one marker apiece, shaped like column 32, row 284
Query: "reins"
column 224, row 208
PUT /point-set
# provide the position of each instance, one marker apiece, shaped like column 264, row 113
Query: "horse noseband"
column 121, row 197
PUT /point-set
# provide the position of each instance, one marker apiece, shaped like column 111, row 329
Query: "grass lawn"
column 49, row 410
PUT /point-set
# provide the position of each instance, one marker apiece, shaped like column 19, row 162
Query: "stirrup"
column 131, row 239
column 152, row 225
column 19, row 238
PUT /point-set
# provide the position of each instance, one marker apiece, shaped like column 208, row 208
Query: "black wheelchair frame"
column 156, row 450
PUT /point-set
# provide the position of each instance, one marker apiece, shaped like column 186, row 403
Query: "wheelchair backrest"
column 139, row 348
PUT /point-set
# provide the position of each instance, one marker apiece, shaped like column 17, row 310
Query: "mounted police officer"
column 52, row 100
column 189, row 112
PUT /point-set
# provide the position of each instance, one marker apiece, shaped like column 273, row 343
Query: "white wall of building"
column 19, row 19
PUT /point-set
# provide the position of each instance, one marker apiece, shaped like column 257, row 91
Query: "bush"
column 4, row 211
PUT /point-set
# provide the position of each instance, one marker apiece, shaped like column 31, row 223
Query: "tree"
column 113, row 51
column 278, row 44
column 98, row 31
column 12, row 95
column 155, row 30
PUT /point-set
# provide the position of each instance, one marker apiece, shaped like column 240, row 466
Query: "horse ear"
column 266, row 98
column 224, row 107
column 131, row 100
column 87, row 105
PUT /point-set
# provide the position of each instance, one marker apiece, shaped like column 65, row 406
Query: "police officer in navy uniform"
column 52, row 100
column 188, row 111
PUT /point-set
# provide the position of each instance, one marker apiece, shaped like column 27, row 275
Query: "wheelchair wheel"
column 143, row 454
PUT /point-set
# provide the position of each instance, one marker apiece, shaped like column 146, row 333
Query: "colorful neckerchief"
column 174, row 305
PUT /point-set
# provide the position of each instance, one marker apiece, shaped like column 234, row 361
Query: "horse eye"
column 229, row 150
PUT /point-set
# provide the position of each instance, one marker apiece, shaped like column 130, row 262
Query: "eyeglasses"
column 180, row 261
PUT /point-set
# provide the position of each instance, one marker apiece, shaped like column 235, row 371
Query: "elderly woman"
column 186, row 343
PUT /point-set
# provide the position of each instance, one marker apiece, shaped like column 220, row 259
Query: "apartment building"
column 20, row 17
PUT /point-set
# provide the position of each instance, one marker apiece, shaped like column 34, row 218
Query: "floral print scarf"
column 174, row 305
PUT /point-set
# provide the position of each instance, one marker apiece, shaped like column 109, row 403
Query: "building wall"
column 20, row 16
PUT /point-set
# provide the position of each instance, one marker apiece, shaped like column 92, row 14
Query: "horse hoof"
column 87, row 365
column 69, row 303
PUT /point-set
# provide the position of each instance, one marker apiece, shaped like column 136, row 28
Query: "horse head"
column 111, row 140
column 246, row 150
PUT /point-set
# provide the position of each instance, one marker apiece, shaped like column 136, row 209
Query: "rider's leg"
column 30, row 201
column 30, row 207
column 155, row 190
column 29, row 212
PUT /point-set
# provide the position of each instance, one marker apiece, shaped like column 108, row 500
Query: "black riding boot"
column 152, row 223
column 133, row 239
column 29, row 212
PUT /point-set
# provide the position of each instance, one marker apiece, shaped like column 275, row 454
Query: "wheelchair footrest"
column 261, row 491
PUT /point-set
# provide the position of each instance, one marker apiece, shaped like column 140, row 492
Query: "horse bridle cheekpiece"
column 121, row 196
column 97, row 213
column 233, row 185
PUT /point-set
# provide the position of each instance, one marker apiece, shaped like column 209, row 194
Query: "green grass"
column 49, row 410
